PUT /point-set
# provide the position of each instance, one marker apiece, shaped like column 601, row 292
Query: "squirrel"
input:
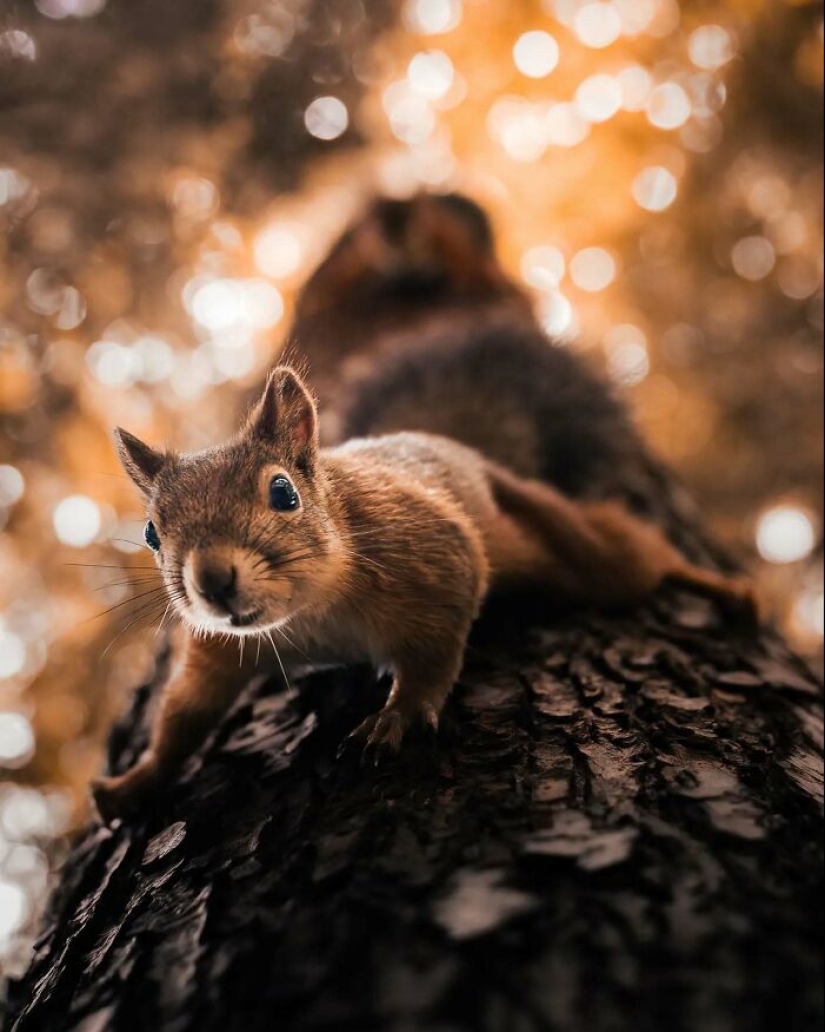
column 383, row 548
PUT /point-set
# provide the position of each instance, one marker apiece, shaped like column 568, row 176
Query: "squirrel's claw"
column 382, row 734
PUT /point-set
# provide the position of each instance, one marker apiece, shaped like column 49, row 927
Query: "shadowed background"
column 169, row 173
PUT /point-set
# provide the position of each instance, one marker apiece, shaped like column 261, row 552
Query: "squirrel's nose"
column 217, row 584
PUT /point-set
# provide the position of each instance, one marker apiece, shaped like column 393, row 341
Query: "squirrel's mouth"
column 247, row 620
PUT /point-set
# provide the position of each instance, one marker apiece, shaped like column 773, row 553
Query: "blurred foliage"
column 169, row 172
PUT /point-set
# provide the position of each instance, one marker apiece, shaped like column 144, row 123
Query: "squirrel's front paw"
column 384, row 731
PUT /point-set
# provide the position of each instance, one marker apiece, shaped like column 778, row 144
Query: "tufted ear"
column 287, row 415
column 141, row 462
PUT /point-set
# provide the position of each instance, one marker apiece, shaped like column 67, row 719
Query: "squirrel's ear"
column 287, row 414
column 141, row 462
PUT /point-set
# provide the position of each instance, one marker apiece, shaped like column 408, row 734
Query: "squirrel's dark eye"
column 282, row 495
column 151, row 536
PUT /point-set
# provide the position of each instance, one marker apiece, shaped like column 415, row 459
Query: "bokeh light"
column 77, row 521
column 599, row 98
column 593, row 269
column 16, row 740
column 754, row 258
column 598, row 24
column 60, row 9
column 327, row 118
column 12, row 486
column 279, row 251
column 543, row 267
column 668, row 106
column 536, row 54
column 711, row 47
column 786, row 534
column 433, row 17
column 13, row 909
column 431, row 74
column 628, row 359
column 655, row 188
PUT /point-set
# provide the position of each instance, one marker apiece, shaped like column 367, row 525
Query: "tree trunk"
column 619, row 829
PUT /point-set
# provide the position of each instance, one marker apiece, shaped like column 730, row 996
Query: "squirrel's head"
column 243, row 533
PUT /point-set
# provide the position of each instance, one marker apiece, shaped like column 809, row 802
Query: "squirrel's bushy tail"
column 412, row 324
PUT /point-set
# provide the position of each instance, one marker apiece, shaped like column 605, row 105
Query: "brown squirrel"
column 383, row 548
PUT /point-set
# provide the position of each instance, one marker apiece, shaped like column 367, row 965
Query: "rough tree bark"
column 619, row 829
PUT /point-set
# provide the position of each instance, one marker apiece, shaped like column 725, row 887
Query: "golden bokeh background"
column 170, row 172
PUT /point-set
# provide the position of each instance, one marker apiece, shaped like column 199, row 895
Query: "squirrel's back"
column 411, row 325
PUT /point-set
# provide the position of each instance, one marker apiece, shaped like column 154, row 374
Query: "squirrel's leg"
column 205, row 680
column 426, row 637
column 601, row 553
column 422, row 684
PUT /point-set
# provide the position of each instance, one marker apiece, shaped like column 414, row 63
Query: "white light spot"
column 431, row 74
column 77, row 521
column 593, row 269
column 667, row 17
column 112, row 364
column 754, row 258
column 628, row 360
column 599, row 98
column 45, row 291
column 412, row 120
column 799, row 279
column 269, row 32
column 711, row 47
column 25, row 814
column 72, row 311
column 13, row 909
column 59, row 9
column 636, row 15
column 223, row 305
column 278, row 251
column 234, row 363
column 519, row 128
column 668, row 106
column 564, row 126
column 13, row 186
column 218, row 305
column 18, row 44
column 655, row 188
column 155, row 359
column 636, row 84
column 628, row 363
column 786, row 534
column 327, row 118
column 12, row 486
column 536, row 54
column 12, row 653
column 708, row 96
column 598, row 25
column 16, row 742
column 809, row 613
column 543, row 267
column 558, row 317
column 263, row 304
column 434, row 17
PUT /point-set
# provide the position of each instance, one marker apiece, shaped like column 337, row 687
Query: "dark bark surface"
column 620, row 828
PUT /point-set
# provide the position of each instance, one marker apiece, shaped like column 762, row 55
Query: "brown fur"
column 396, row 544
